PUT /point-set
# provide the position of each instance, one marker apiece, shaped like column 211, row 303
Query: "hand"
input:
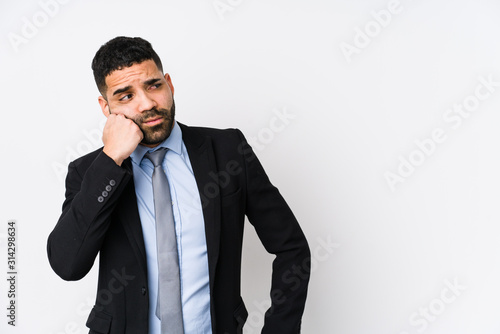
column 120, row 137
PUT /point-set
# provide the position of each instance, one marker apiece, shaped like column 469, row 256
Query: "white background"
column 356, row 117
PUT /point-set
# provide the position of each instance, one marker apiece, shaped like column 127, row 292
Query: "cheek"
column 170, row 101
column 165, row 100
column 127, row 110
column 162, row 99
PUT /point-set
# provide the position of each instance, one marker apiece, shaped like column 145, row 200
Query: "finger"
column 112, row 117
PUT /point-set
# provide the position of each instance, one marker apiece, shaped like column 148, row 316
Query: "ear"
column 104, row 106
column 169, row 82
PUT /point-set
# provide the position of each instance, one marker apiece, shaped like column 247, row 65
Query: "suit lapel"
column 202, row 158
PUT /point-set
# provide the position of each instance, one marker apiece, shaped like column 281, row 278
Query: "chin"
column 156, row 138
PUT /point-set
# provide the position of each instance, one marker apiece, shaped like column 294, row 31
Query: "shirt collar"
column 173, row 143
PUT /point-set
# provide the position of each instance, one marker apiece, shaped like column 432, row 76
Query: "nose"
column 145, row 102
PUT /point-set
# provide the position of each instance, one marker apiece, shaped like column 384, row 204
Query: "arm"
column 281, row 235
column 92, row 191
column 75, row 241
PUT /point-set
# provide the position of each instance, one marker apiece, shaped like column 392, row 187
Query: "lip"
column 153, row 121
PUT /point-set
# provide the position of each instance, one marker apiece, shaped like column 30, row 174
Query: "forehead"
column 135, row 74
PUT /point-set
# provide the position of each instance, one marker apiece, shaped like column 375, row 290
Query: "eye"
column 126, row 97
column 155, row 86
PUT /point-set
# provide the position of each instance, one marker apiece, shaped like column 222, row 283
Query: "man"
column 119, row 203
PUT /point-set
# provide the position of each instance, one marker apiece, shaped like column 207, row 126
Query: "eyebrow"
column 146, row 83
column 121, row 90
column 151, row 81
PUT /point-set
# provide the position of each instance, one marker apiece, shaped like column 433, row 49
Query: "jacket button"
column 143, row 290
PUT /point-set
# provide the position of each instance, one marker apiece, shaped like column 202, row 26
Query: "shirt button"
column 112, row 182
column 105, row 193
column 108, row 188
column 100, row 199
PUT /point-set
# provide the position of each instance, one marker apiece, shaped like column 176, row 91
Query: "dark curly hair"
column 118, row 53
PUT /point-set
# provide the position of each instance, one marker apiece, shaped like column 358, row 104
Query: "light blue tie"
column 169, row 306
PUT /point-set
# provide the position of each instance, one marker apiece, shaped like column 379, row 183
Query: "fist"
column 120, row 137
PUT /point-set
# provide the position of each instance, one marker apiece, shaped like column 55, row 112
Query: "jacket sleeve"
column 281, row 235
column 92, row 192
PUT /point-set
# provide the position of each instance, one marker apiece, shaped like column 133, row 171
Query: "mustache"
column 152, row 113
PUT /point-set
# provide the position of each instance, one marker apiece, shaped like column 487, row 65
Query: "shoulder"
column 197, row 133
column 206, row 131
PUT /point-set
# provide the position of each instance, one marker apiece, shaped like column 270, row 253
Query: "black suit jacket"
column 100, row 215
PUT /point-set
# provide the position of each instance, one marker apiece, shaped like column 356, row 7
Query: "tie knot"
column 157, row 156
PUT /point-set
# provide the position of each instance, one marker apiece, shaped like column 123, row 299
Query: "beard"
column 154, row 135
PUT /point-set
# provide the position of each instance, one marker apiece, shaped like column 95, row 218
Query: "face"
column 143, row 94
